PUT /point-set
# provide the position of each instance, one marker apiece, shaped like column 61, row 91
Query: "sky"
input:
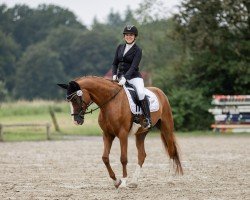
column 86, row 10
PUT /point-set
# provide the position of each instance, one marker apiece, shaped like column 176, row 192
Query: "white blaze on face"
column 72, row 112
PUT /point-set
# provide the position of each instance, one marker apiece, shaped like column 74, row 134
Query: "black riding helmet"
column 130, row 29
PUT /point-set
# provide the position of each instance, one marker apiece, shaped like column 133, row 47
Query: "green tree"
column 129, row 17
column 61, row 40
column 33, row 25
column 216, row 34
column 3, row 92
column 6, row 24
column 114, row 19
column 215, row 57
column 150, row 11
column 94, row 50
column 39, row 70
column 159, row 49
column 9, row 52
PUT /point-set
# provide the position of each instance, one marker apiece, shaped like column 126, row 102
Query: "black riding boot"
column 146, row 112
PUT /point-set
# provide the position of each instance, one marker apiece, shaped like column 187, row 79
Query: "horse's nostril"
column 78, row 120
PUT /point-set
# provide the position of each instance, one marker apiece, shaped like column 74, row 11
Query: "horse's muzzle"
column 78, row 120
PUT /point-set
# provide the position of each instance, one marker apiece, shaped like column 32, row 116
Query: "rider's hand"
column 114, row 77
column 122, row 81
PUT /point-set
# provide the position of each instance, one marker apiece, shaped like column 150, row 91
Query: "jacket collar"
column 131, row 50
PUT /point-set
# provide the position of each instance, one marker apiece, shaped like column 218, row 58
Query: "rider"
column 126, row 67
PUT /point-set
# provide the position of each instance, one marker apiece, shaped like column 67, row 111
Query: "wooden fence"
column 46, row 125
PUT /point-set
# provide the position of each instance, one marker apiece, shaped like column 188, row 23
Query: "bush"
column 190, row 109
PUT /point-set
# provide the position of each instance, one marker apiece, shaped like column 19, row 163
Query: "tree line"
column 201, row 51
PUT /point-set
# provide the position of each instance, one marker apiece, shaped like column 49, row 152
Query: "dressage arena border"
column 46, row 125
column 215, row 168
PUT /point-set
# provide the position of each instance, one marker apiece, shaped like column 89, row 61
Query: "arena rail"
column 2, row 126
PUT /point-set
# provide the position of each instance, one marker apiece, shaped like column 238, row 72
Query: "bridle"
column 80, row 101
column 83, row 103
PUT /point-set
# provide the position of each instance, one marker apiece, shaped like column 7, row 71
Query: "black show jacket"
column 127, row 65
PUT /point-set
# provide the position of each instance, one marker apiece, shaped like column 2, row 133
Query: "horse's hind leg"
column 108, row 140
column 141, row 158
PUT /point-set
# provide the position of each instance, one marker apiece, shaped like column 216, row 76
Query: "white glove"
column 122, row 81
column 114, row 77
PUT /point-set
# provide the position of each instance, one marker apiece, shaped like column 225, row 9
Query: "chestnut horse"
column 115, row 120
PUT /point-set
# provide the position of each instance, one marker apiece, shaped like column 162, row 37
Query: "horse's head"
column 79, row 99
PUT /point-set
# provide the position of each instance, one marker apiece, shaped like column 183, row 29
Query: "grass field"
column 38, row 112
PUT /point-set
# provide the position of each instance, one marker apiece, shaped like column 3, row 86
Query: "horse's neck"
column 99, row 89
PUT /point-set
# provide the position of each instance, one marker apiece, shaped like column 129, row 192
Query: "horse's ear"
column 64, row 86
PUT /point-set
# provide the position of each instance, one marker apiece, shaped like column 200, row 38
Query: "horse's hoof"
column 132, row 185
column 117, row 183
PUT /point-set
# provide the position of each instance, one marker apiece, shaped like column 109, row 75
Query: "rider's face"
column 129, row 38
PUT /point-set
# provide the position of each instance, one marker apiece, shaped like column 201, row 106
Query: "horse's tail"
column 166, row 125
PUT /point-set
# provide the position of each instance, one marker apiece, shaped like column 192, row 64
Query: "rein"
column 71, row 96
column 78, row 93
column 92, row 110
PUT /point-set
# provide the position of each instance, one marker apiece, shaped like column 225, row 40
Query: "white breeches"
column 139, row 85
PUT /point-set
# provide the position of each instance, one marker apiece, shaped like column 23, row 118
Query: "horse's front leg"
column 124, row 159
column 141, row 158
column 108, row 140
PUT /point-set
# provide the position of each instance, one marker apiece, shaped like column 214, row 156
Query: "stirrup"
column 147, row 123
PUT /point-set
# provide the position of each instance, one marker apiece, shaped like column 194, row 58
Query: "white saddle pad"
column 153, row 101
